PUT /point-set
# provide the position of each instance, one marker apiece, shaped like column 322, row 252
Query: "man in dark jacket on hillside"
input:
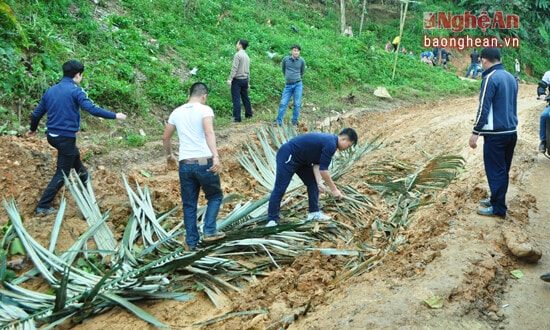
column 497, row 121
column 62, row 104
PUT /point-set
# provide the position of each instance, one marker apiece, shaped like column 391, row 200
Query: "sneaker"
column 487, row 212
column 214, row 236
column 318, row 216
column 294, row 123
column 542, row 147
column 271, row 223
column 45, row 210
column 485, row 202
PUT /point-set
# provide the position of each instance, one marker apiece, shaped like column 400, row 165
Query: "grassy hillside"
column 138, row 53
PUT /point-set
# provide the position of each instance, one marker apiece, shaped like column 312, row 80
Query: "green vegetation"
column 138, row 53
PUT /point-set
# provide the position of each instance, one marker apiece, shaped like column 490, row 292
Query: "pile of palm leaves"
column 150, row 262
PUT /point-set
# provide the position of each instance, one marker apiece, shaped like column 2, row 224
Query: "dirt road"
column 450, row 250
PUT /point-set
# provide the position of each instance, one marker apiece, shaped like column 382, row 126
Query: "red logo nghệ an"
column 467, row 20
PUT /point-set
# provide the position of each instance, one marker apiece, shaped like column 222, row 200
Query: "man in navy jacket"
column 497, row 121
column 62, row 103
column 309, row 156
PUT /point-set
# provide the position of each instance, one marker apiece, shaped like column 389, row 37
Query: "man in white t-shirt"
column 199, row 163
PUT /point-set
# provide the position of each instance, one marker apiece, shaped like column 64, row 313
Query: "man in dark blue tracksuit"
column 496, row 121
column 308, row 155
column 62, row 103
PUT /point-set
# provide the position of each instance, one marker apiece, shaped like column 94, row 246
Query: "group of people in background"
column 475, row 66
column 293, row 67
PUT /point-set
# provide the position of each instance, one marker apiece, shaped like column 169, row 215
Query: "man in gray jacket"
column 239, row 80
column 294, row 68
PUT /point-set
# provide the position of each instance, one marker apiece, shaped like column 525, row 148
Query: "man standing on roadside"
column 62, row 104
column 239, row 80
column 496, row 120
column 309, row 156
column 294, row 68
column 474, row 59
column 199, row 163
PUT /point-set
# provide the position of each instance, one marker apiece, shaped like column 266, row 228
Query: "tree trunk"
column 363, row 16
column 342, row 15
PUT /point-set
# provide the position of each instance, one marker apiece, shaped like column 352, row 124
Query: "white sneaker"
column 271, row 223
column 318, row 216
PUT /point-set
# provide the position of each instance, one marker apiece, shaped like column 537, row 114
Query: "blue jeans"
column 289, row 91
column 68, row 157
column 542, row 130
column 473, row 67
column 239, row 91
column 498, row 151
column 286, row 167
column 192, row 179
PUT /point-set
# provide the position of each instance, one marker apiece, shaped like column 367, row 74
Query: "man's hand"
column 542, row 97
column 171, row 163
column 337, row 194
column 473, row 141
column 216, row 165
column 120, row 115
column 322, row 188
column 228, row 82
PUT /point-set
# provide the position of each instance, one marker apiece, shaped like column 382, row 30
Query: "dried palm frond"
column 401, row 178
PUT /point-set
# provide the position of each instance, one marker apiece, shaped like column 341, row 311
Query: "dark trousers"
column 498, row 151
column 239, row 91
column 286, row 167
column 68, row 157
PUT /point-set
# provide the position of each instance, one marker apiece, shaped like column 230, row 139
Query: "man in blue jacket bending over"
column 308, row 155
column 62, row 103
column 497, row 122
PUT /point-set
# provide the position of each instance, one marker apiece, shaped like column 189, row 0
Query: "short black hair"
column 198, row 89
column 71, row 68
column 296, row 46
column 351, row 134
column 491, row 54
column 244, row 43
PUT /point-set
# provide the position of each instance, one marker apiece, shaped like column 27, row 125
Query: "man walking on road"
column 294, row 68
column 239, row 80
column 496, row 120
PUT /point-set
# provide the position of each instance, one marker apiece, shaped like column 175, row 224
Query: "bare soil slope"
column 450, row 251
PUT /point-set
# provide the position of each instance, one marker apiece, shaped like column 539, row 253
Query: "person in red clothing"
column 62, row 103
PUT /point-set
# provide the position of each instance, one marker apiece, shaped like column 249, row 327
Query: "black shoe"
column 45, row 210
column 248, row 117
column 235, row 121
column 542, row 147
column 214, row 236
column 545, row 277
column 294, row 123
column 188, row 248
